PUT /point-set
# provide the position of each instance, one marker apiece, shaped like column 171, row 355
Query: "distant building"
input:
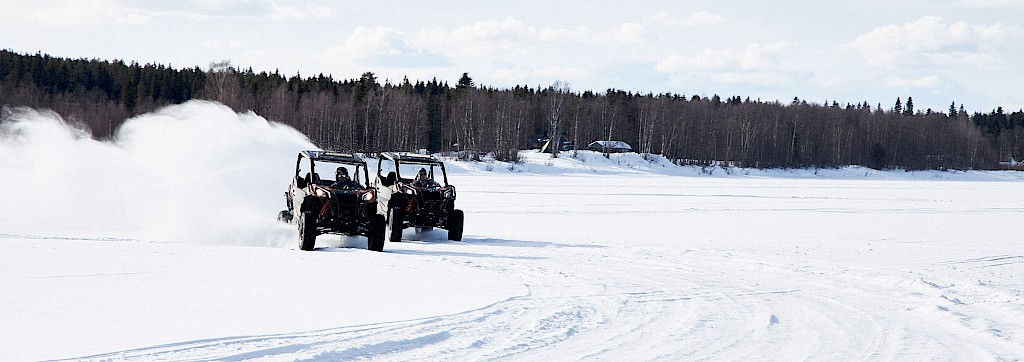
column 1013, row 164
column 609, row 146
column 563, row 145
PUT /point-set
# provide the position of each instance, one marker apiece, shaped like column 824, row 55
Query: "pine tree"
column 465, row 82
column 910, row 107
column 131, row 87
column 898, row 109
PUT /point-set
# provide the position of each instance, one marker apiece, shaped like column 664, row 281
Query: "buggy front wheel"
column 307, row 231
column 456, row 219
column 375, row 239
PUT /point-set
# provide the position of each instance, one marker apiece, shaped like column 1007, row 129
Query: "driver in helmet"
column 342, row 181
column 423, row 179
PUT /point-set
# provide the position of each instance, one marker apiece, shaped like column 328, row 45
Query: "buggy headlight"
column 323, row 193
column 369, row 196
column 410, row 191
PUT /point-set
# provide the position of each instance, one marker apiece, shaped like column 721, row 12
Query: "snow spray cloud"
column 196, row 172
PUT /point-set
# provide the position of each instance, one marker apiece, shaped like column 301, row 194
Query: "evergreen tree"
column 131, row 87
column 877, row 156
column 465, row 82
column 362, row 115
column 435, row 94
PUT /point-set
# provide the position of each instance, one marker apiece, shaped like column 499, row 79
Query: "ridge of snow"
column 533, row 162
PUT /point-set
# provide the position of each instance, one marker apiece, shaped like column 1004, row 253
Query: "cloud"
column 508, row 29
column 510, row 36
column 77, row 13
column 930, row 41
column 69, row 13
column 511, row 51
column 482, row 39
column 755, row 64
column 702, row 18
column 246, row 10
column 579, row 33
column 695, row 20
column 233, row 9
column 751, row 57
column 365, row 42
column 926, row 82
column 383, row 46
column 987, row 4
column 279, row 12
column 542, row 75
column 625, row 33
column 216, row 44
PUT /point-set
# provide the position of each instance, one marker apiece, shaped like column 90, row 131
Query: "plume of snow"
column 196, row 172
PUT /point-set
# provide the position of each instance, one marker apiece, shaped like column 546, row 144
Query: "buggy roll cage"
column 354, row 160
column 400, row 158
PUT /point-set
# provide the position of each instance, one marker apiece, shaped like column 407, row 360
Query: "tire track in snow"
column 654, row 307
column 656, row 302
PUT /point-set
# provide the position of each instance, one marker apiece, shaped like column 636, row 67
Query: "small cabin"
column 610, row 146
column 563, row 145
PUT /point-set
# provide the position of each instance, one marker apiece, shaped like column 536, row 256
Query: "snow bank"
column 590, row 162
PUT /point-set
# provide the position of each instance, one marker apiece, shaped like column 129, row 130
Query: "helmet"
column 341, row 173
column 422, row 174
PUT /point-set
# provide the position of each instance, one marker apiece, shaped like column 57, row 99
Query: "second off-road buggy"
column 321, row 202
column 413, row 200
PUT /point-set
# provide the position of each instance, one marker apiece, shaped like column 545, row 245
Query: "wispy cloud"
column 98, row 12
column 702, row 18
column 77, row 13
column 925, row 82
column 697, row 19
column 509, row 36
column 625, row 33
column 751, row 57
column 545, row 74
column 754, row 64
column 931, row 41
column 988, row 4
column 383, row 46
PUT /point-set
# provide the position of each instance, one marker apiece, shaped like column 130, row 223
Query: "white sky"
column 938, row 52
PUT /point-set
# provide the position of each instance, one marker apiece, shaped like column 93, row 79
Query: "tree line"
column 367, row 114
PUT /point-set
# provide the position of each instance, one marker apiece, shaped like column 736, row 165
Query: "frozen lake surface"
column 571, row 259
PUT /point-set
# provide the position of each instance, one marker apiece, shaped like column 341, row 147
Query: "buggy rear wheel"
column 455, row 221
column 307, row 231
column 396, row 218
column 284, row 216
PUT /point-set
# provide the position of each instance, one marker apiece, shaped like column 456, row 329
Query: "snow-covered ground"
column 163, row 245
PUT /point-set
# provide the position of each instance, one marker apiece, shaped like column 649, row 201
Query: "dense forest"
column 367, row 115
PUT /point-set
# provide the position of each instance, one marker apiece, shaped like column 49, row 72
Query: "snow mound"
column 533, row 162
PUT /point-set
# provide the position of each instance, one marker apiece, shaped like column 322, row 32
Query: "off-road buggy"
column 320, row 203
column 414, row 201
